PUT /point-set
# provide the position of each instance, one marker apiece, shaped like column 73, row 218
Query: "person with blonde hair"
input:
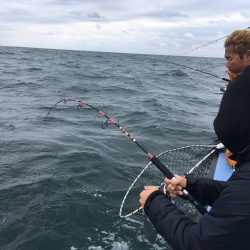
column 227, row 224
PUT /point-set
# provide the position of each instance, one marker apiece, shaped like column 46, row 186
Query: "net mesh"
column 195, row 159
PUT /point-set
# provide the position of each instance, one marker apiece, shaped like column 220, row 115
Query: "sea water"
column 62, row 180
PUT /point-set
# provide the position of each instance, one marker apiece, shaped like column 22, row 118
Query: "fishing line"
column 156, row 161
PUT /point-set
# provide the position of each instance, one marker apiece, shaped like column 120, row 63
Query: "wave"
column 33, row 69
column 178, row 73
column 7, row 53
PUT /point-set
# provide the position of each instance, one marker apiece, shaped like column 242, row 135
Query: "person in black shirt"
column 227, row 224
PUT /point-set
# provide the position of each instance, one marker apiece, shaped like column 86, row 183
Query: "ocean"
column 62, row 180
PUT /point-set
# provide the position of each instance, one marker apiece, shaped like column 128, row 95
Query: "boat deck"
column 222, row 169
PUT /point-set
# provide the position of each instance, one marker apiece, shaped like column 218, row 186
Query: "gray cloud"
column 165, row 15
column 246, row 14
column 94, row 14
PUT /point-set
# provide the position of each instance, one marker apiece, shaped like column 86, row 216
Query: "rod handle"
column 162, row 167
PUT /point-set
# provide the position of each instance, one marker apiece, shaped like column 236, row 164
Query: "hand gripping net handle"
column 169, row 175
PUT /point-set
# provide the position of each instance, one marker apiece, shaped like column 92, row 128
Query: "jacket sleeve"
column 205, row 190
column 170, row 222
column 225, row 226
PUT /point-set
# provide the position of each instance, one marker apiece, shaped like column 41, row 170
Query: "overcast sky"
column 168, row 27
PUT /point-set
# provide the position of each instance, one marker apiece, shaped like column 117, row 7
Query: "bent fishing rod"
column 153, row 159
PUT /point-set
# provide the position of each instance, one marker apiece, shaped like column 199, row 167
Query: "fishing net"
column 195, row 159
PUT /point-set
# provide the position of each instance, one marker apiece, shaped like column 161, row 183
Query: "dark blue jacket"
column 225, row 227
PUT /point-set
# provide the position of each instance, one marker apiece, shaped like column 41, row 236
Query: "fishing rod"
column 204, row 45
column 152, row 158
column 204, row 72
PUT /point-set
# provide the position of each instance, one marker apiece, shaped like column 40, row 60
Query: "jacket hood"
column 232, row 123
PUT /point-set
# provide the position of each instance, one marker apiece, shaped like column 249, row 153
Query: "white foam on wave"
column 95, row 248
column 120, row 246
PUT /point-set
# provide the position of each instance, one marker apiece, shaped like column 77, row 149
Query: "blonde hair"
column 240, row 39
